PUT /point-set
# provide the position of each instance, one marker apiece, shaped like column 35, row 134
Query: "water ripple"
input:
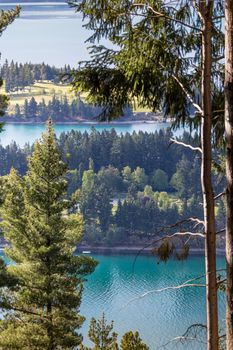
column 159, row 317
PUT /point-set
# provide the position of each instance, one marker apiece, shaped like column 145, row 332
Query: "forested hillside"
column 130, row 186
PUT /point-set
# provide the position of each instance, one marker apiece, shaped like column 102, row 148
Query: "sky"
column 52, row 33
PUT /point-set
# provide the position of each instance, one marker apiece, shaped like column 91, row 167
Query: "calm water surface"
column 28, row 133
column 159, row 317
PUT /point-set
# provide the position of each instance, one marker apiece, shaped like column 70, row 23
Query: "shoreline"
column 128, row 122
column 124, row 250
column 127, row 250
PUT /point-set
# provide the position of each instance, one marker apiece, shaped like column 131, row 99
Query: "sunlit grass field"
column 45, row 90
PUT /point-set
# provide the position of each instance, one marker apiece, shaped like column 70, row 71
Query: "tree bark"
column 229, row 168
column 207, row 188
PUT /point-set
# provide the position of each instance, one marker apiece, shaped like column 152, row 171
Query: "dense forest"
column 19, row 75
column 58, row 108
column 124, row 182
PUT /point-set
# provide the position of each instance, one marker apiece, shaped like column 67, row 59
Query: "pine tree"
column 6, row 18
column 104, row 338
column 32, row 108
column 132, row 341
column 102, row 335
column 44, row 305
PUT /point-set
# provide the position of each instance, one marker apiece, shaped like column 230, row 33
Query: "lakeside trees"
column 19, row 75
column 113, row 189
column 41, row 311
column 104, row 338
column 59, row 108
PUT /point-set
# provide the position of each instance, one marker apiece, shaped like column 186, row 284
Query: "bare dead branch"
column 199, row 222
column 221, row 231
column 217, row 18
column 187, row 283
column 182, row 338
column 219, row 195
column 186, row 145
column 195, row 105
column 165, row 228
column 216, row 59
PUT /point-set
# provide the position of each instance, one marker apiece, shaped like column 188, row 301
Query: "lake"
column 158, row 317
column 28, row 133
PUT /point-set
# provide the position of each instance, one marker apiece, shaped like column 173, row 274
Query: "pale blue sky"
column 45, row 32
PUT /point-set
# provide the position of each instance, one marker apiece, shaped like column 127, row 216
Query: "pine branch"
column 163, row 15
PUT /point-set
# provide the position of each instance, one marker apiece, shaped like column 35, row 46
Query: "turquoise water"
column 23, row 133
column 158, row 317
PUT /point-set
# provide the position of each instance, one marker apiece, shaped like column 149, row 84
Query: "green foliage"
column 6, row 18
column 185, row 178
column 160, row 180
column 17, row 75
column 95, row 200
column 117, row 213
column 110, row 177
column 44, row 305
column 139, row 178
column 151, row 62
column 102, row 335
column 132, row 341
column 104, row 338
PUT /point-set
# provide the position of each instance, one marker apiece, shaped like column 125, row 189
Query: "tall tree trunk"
column 207, row 188
column 229, row 167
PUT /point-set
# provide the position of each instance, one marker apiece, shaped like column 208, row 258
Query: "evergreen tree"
column 17, row 111
column 44, row 305
column 26, row 109
column 103, row 206
column 101, row 334
column 132, row 341
column 6, row 18
column 160, row 180
column 104, row 338
column 32, row 108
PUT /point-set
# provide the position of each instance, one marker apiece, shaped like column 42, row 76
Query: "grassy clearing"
column 40, row 90
column 46, row 90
